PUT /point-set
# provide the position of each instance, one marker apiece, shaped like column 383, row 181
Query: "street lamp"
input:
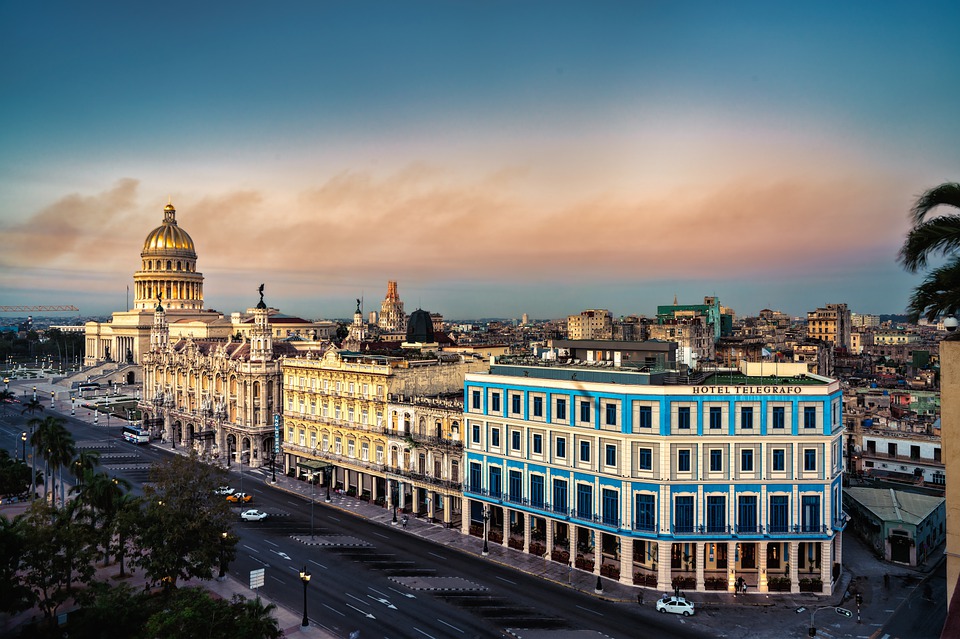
column 223, row 559
column 313, row 499
column 52, row 397
column 396, row 497
column 486, row 520
column 73, row 405
column 305, row 578
column 23, row 442
column 34, row 393
column 327, row 471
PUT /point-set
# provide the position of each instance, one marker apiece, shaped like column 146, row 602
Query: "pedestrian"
column 403, row 521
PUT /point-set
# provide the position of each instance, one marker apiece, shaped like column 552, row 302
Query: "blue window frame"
column 683, row 514
column 611, row 507
column 585, row 451
column 584, row 501
column 476, row 477
column 746, row 460
column 495, row 437
column 683, row 417
column 537, row 444
column 746, row 417
column 646, row 512
column 716, row 418
column 585, row 410
column 645, row 459
column 809, row 416
column 645, row 417
column 515, row 404
column 747, row 514
column 611, row 414
column 496, row 482
column 516, row 486
column 536, row 491
column 779, row 513
column 538, row 407
column 561, row 447
column 716, row 460
column 494, row 402
column 779, row 418
column 561, row 409
column 810, row 513
column 610, row 453
column 515, row 440
column 716, row 513
column 683, row 460
column 809, row 459
column 475, row 399
column 779, row 459
column 560, row 495
column 476, row 433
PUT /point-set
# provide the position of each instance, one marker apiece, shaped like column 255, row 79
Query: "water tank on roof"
column 868, row 423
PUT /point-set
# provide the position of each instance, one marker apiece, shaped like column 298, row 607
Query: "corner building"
column 653, row 482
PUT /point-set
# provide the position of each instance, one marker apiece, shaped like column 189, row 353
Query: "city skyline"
column 494, row 159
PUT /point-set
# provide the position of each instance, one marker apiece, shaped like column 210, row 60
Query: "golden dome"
column 169, row 237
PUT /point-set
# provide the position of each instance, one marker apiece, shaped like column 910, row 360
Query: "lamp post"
column 486, row 520
column 313, row 499
column 34, row 393
column 73, row 405
column 305, row 578
column 327, row 472
column 53, row 396
column 396, row 496
column 23, row 451
column 223, row 559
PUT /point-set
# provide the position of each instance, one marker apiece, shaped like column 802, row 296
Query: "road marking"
column 442, row 557
column 502, row 579
column 333, row 518
column 405, row 594
column 365, row 614
column 317, row 563
column 293, row 503
column 379, row 535
column 276, row 579
column 333, row 609
column 260, row 561
column 423, row 633
column 282, row 554
column 599, row 614
column 355, row 597
column 251, row 548
column 449, row 626
column 378, row 592
column 271, row 543
column 385, row 602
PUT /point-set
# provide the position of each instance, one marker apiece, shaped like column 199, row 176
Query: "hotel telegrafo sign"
column 746, row 390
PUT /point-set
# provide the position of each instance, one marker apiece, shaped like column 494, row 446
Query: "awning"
column 313, row 465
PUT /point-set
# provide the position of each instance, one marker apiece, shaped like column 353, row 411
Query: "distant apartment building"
column 816, row 355
column 590, row 324
column 830, row 324
column 692, row 334
column 864, row 321
column 392, row 318
column 718, row 318
column 622, row 473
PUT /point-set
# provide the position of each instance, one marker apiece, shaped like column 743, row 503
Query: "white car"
column 253, row 515
column 676, row 605
column 223, row 490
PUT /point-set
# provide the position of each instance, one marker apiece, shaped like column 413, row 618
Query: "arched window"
column 178, row 265
column 168, row 264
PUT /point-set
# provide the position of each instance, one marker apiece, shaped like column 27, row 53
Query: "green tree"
column 14, row 595
column 939, row 293
column 84, row 465
column 56, row 548
column 100, row 498
column 32, row 406
column 60, row 451
column 180, row 535
column 192, row 613
column 126, row 523
column 14, row 475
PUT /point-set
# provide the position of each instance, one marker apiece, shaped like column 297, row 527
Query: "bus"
column 136, row 434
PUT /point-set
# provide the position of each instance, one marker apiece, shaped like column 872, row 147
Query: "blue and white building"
column 656, row 479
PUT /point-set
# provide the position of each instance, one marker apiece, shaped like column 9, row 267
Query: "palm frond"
column 938, row 294
column 947, row 193
column 939, row 236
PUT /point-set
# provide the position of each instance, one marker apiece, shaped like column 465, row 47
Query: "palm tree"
column 84, row 465
column 32, row 407
column 101, row 496
column 61, row 450
column 939, row 293
column 55, row 444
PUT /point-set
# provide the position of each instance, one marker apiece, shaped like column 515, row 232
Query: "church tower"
column 160, row 333
column 261, row 337
column 392, row 317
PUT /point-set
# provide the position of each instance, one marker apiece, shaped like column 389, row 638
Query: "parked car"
column 223, row 490
column 253, row 515
column 676, row 605
column 239, row 498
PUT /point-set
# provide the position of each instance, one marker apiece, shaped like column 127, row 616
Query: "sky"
column 494, row 158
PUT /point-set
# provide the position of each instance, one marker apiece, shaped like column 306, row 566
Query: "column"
column 548, row 528
column 402, row 495
column 626, row 560
column 794, row 558
column 762, row 556
column 663, row 567
column 699, row 554
column 447, row 510
column 838, row 547
column 597, row 551
column 465, row 519
column 526, row 533
column 431, row 500
column 731, row 566
column 826, row 566
column 505, row 527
